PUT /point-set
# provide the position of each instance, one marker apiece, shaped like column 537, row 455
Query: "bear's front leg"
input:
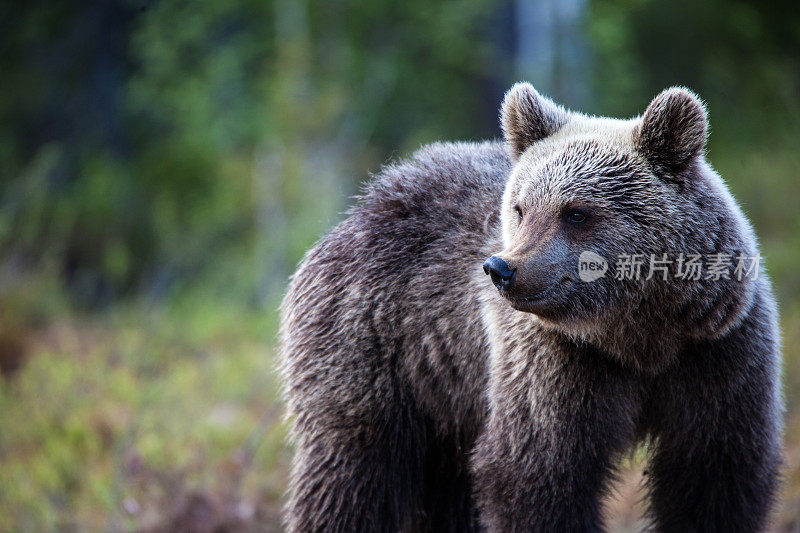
column 559, row 417
column 717, row 423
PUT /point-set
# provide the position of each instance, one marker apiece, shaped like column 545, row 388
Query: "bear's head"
column 602, row 218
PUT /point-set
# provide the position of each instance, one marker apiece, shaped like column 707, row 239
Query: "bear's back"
column 389, row 299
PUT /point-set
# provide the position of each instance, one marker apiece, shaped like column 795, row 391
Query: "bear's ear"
column 673, row 130
column 526, row 117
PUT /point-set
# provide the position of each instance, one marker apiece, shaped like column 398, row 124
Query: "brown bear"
column 427, row 396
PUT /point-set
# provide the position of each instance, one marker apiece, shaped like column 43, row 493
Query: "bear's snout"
column 502, row 275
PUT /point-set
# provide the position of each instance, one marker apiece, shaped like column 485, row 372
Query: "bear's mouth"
column 538, row 302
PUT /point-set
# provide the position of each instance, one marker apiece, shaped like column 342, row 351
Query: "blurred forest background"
column 165, row 164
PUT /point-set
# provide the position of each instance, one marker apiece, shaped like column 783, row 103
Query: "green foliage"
column 188, row 127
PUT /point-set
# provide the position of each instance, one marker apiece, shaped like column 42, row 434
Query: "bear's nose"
column 502, row 274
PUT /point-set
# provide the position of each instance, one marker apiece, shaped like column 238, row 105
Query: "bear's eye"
column 576, row 216
column 518, row 209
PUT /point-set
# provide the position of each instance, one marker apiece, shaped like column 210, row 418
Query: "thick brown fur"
column 424, row 399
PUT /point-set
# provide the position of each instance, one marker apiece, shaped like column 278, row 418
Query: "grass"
column 144, row 419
